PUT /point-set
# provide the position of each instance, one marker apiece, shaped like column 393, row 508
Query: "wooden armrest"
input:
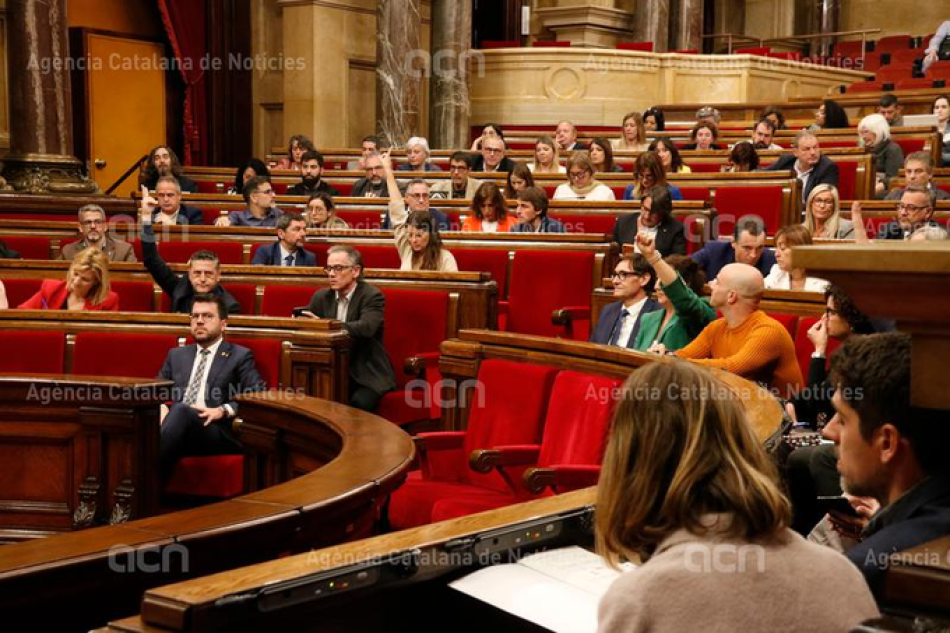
column 416, row 365
column 561, row 478
column 569, row 314
column 484, row 460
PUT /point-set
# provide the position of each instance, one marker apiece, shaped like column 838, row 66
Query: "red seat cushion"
column 893, row 43
column 532, row 299
column 588, row 223
column 366, row 219
column 207, row 476
column 752, row 50
column 19, row 290
column 494, row 261
column 551, row 44
column 102, row 354
column 910, row 145
column 181, row 252
column 268, row 354
column 894, row 72
column 280, row 301
column 733, row 203
column 695, row 193
column 489, row 44
column 28, row 247
column 646, row 47
column 864, row 86
column 135, row 296
column 907, row 55
column 210, row 215
column 384, row 256
column 914, row 84
column 32, row 352
column 789, row 321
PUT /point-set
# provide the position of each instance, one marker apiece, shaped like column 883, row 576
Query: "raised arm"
column 860, row 228
column 163, row 275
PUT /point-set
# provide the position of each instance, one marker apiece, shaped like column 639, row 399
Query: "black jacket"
column 670, row 235
column 506, row 164
column 824, row 173
column 300, row 190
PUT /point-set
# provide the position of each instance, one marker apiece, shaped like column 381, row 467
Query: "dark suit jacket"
column 610, row 320
column 369, row 363
column 824, row 173
column 270, row 256
column 179, row 289
column 714, row 256
column 670, row 235
column 506, row 164
column 232, row 373
column 300, row 190
column 363, row 184
column 186, row 215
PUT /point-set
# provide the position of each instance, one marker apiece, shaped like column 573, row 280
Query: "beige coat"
column 443, row 188
column 115, row 250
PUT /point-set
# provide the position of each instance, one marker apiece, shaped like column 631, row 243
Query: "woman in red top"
column 86, row 286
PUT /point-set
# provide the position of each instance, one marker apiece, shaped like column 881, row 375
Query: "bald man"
column 746, row 341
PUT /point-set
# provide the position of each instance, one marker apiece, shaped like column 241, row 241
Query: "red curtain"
column 185, row 24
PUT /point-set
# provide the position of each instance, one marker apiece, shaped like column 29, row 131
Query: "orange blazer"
column 475, row 225
column 52, row 296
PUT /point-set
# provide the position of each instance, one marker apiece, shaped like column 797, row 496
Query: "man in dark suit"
column 94, row 231
column 289, row 249
column 747, row 247
column 360, row 307
column 170, row 209
column 810, row 166
column 619, row 322
column 208, row 376
column 565, row 135
column 656, row 217
column 890, row 454
column 204, row 269
column 915, row 210
column 311, row 181
column 493, row 156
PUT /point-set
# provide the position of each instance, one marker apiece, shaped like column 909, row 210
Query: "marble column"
column 401, row 67
column 688, row 25
column 449, row 107
column 730, row 18
column 827, row 17
column 651, row 23
column 41, row 135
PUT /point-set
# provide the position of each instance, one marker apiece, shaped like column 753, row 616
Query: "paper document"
column 557, row 589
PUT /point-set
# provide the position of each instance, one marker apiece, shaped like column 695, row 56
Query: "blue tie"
column 615, row 337
column 289, row 260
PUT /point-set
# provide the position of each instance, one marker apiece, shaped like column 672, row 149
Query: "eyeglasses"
column 623, row 275
column 824, row 202
column 576, row 174
column 336, row 269
column 93, row 222
column 418, row 196
column 489, row 150
column 912, row 208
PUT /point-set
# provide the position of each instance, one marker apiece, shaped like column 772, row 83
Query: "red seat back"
column 919, row 83
column 893, row 43
column 385, row 256
column 533, row 297
column 733, row 203
column 181, row 252
column 135, row 296
column 752, row 50
column 847, row 179
column 864, row 86
column 28, row 247
column 910, row 145
column 19, row 290
column 551, row 44
column 695, row 193
column 267, row 358
column 107, row 354
column 246, row 295
column 584, row 223
column 210, row 215
column 579, row 414
column 646, row 47
column 494, row 261
column 416, row 323
column 367, row 219
column 280, row 301
column 804, row 347
column 489, row 44
column 508, row 407
column 320, row 250
column 789, row 321
column 32, row 352
column 907, row 55
column 894, row 72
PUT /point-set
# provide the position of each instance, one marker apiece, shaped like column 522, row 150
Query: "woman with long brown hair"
column 687, row 488
column 489, row 212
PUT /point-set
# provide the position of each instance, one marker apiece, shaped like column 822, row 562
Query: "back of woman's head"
column 794, row 235
column 835, row 115
column 693, row 276
column 680, row 448
column 744, row 154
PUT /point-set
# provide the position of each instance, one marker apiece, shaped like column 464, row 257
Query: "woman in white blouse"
column 783, row 276
column 582, row 185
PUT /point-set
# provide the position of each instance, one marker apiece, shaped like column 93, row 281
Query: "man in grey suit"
column 94, row 231
column 208, row 375
column 360, row 306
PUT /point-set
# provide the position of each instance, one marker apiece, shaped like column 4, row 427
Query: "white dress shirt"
column 343, row 304
column 627, row 323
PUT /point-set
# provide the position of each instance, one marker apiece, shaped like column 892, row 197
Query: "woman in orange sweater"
column 489, row 213
column 86, row 286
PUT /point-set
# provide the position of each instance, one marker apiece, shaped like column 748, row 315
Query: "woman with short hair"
column 685, row 487
column 783, row 276
column 581, row 184
column 874, row 133
column 417, row 156
column 743, row 158
column 703, row 135
column 86, row 287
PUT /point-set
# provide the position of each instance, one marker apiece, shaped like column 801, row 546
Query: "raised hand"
column 147, row 206
column 818, row 334
column 646, row 245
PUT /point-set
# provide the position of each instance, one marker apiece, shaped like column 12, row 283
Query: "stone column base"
column 587, row 26
column 45, row 174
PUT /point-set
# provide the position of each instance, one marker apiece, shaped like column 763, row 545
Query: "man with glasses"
column 918, row 172
column 493, row 156
column 417, row 198
column 260, row 212
column 360, row 307
column 915, row 210
column 170, row 209
column 373, row 185
column 93, row 231
column 369, row 146
column 460, row 187
column 619, row 322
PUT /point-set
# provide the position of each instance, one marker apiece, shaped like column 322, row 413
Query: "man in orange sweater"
column 746, row 341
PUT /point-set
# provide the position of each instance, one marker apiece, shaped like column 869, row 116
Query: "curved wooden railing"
column 337, row 464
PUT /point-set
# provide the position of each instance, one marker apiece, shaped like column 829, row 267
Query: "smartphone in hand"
column 837, row 504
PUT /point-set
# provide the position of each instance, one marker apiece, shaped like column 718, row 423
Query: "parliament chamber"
column 143, row 144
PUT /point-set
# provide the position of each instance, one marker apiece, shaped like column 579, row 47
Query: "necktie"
column 191, row 396
column 615, row 338
column 289, row 260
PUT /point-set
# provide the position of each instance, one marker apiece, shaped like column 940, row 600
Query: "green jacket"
column 691, row 315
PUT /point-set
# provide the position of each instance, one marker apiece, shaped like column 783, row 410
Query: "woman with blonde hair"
column 489, row 212
column 823, row 215
column 783, row 276
column 546, row 157
column 684, row 480
column 86, row 286
column 633, row 135
column 581, row 184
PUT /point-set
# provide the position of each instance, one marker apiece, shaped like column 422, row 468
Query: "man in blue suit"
column 208, row 375
column 619, row 322
column 289, row 249
column 747, row 247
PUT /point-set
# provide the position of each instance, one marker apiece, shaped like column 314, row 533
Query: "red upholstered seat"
column 893, row 43
column 135, row 296
column 384, row 256
column 894, row 72
column 582, row 223
column 804, row 347
column 267, row 357
column 212, row 186
column 938, row 68
column 246, row 295
column 210, row 215
column 907, row 55
column 28, row 247
column 910, row 145
column 19, row 290
column 851, row 48
column 789, row 321
column 646, row 47
column 939, row 74
column 345, row 188
column 207, row 476
column 489, row 44
column 863, row 86
column 752, row 50
column 416, row 325
column 367, row 219
column 551, row 44
column 494, row 261
column 280, row 301
column 180, row 252
column 733, row 203
column 32, row 352
column 320, row 250
column 545, row 281
column 695, row 193
column 508, row 407
column 129, row 355
column 280, row 188
column 847, row 178
column 704, row 168
column 920, row 83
